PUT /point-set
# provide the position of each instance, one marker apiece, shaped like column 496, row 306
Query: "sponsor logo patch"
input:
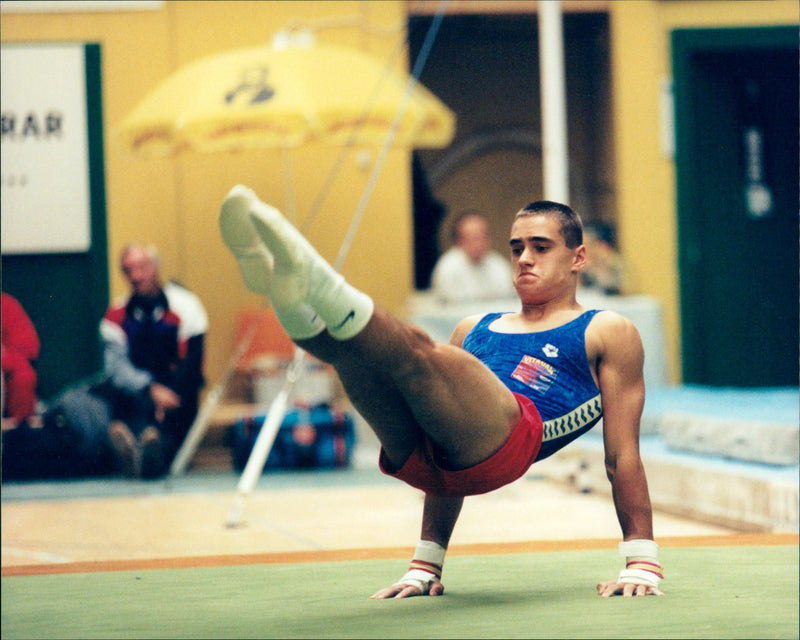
column 534, row 373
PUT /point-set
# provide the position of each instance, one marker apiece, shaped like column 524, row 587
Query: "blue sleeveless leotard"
column 550, row 368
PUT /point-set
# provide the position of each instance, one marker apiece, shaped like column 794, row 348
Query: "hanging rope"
column 419, row 65
column 271, row 425
column 350, row 142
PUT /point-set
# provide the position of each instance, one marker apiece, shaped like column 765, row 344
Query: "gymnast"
column 471, row 416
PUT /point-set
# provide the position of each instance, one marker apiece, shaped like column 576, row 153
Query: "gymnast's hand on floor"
column 613, row 588
column 435, row 588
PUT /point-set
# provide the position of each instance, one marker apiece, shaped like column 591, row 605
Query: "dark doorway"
column 736, row 97
column 485, row 67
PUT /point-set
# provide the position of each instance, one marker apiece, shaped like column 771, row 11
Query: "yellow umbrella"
column 283, row 97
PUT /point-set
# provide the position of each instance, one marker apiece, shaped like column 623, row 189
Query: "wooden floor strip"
column 382, row 553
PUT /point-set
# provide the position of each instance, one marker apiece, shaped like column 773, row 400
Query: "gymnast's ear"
column 579, row 258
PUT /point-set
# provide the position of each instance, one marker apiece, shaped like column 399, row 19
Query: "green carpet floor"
column 712, row 592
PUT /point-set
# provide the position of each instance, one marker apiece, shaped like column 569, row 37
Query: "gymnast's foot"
column 293, row 256
column 301, row 275
column 255, row 262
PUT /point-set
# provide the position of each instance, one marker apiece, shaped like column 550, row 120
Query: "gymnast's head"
column 569, row 221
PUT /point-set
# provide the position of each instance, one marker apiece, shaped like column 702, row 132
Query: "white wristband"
column 638, row 549
column 431, row 552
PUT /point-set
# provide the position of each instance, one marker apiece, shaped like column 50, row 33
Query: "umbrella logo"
column 253, row 83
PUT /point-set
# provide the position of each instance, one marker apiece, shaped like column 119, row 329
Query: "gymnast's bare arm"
column 615, row 349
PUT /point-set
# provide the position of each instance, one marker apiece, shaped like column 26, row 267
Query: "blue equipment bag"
column 319, row 437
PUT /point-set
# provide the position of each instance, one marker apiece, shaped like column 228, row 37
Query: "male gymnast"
column 471, row 416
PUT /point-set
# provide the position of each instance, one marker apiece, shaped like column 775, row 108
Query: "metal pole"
column 265, row 440
column 555, row 157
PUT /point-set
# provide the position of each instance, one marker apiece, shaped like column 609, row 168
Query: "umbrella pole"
column 277, row 410
column 265, row 440
column 290, row 195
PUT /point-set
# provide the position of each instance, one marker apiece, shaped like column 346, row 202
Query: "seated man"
column 471, row 270
column 153, row 355
column 469, row 417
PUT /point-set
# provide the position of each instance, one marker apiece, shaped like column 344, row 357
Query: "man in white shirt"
column 470, row 269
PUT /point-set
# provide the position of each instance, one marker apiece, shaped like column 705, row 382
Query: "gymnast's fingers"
column 396, row 591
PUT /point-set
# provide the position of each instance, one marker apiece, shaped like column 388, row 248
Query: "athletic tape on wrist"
column 641, row 563
column 425, row 567
column 417, row 578
column 638, row 576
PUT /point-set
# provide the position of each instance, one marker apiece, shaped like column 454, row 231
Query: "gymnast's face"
column 544, row 267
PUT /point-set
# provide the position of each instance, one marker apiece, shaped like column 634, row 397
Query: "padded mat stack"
column 725, row 456
column 741, row 424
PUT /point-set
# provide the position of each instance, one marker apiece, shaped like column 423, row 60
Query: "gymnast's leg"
column 400, row 380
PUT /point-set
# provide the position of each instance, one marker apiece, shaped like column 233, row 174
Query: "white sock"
column 345, row 309
column 256, row 263
column 300, row 274
column 300, row 322
column 236, row 228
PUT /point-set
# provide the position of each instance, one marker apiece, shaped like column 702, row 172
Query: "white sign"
column 45, row 204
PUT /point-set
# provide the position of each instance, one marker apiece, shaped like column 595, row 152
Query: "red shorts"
column 507, row 465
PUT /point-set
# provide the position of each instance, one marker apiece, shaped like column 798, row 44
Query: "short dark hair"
column 569, row 220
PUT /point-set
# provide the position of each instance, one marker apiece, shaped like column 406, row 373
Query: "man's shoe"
column 152, row 453
column 124, row 446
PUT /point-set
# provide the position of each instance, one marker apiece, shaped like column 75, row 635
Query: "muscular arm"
column 619, row 370
column 439, row 517
column 462, row 329
column 620, row 359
